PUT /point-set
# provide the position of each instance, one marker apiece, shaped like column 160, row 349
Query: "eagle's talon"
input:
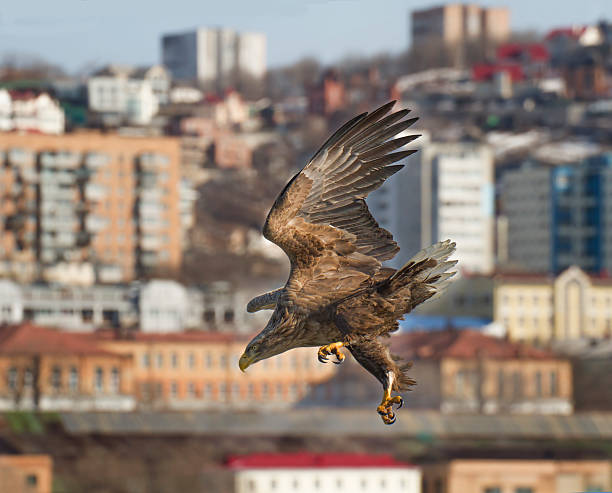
column 385, row 409
column 325, row 351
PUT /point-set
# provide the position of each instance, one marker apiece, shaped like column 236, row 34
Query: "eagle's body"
column 338, row 293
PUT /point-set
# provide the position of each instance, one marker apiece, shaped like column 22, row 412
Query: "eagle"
column 339, row 294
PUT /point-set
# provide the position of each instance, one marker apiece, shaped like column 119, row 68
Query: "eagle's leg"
column 333, row 348
column 385, row 409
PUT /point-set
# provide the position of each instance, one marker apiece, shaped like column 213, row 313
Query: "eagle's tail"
column 426, row 274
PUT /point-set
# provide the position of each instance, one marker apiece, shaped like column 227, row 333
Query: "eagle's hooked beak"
column 245, row 361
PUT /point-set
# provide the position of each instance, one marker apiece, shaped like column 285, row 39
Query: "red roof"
column 309, row 460
column 534, row 51
column 463, row 344
column 27, row 339
column 570, row 32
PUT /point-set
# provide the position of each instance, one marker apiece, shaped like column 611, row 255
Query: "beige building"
column 197, row 370
column 26, row 473
column 464, row 371
column 51, row 370
column 88, row 198
column 516, row 476
column 539, row 308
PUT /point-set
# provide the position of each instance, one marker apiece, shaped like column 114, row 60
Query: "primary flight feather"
column 338, row 293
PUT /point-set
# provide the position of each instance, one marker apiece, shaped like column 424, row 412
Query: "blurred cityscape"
column 131, row 206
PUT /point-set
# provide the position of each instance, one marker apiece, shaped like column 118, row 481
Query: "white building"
column 445, row 191
column 214, row 56
column 129, row 94
column 30, row 112
column 323, row 473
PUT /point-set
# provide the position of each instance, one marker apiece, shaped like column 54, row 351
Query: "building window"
column 222, row 392
column 115, row 380
column 191, row 389
column 250, row 391
column 160, row 360
column 523, row 489
column 209, row 316
column 279, row 391
column 223, row 361
column 228, row 316
column 538, row 384
column 460, row 383
column 209, row 360
column 56, row 378
column 208, row 390
column 191, row 360
column 265, row 390
column 173, row 389
column 500, row 383
column 554, row 384
column 492, row 489
column 146, row 360
column 73, row 379
column 364, row 484
column 517, row 385
column 235, row 392
column 438, row 488
column 31, row 480
column 99, row 379
column 273, row 484
column 12, row 378
column 174, row 360
column 28, row 378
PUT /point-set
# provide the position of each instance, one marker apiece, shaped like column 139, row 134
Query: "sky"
column 80, row 34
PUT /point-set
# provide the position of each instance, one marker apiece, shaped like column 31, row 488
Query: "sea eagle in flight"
column 338, row 293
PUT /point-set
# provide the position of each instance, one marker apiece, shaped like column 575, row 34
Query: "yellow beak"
column 244, row 362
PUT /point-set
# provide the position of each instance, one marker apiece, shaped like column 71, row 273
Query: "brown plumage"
column 337, row 289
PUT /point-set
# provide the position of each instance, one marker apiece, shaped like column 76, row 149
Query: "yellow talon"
column 333, row 348
column 385, row 409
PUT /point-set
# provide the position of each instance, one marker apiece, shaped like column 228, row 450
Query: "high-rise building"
column 558, row 216
column 106, row 200
column 445, row 191
column 455, row 25
column 216, row 57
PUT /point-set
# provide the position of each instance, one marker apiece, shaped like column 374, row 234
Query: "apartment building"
column 199, row 370
column 557, row 215
column 467, row 371
column 120, row 95
column 455, row 25
column 51, row 370
column 516, row 476
column 446, row 190
column 216, row 57
column 107, row 200
column 572, row 305
column 307, row 472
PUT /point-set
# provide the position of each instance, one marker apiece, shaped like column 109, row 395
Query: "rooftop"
column 30, row 339
column 461, row 344
column 310, row 460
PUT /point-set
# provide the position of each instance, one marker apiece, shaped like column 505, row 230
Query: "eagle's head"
column 277, row 337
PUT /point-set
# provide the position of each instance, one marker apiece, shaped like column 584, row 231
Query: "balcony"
column 152, row 161
column 62, row 160
column 96, row 160
column 21, row 157
column 94, row 224
column 95, row 192
column 59, row 223
column 150, row 242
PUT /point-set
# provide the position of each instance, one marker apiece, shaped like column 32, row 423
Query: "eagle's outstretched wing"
column 321, row 220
